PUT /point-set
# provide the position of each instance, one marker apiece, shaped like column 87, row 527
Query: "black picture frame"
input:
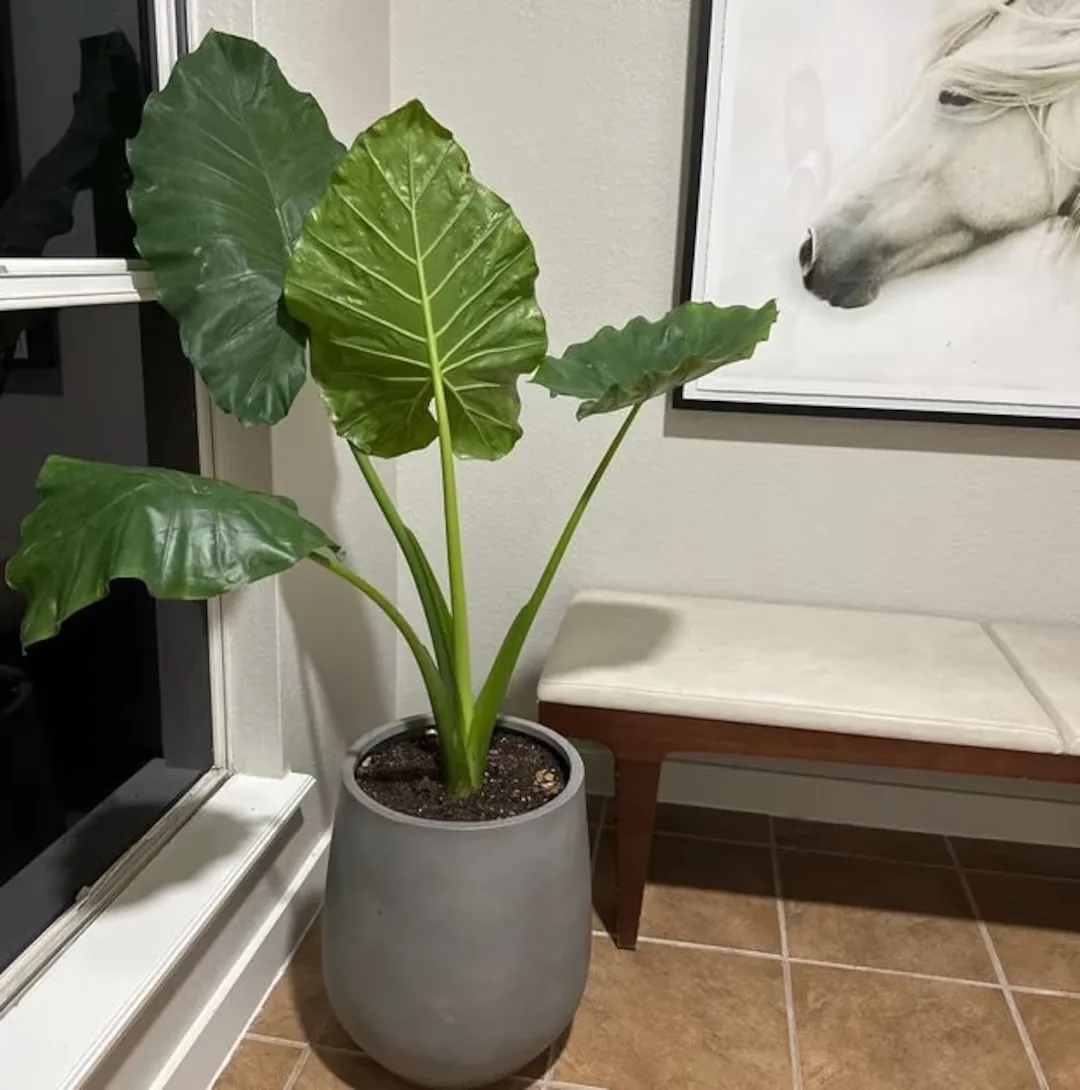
column 700, row 69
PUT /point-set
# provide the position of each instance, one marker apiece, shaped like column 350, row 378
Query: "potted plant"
column 457, row 908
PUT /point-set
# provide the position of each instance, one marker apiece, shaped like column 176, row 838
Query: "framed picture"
column 903, row 177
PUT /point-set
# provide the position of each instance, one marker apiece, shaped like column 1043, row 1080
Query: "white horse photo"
column 986, row 145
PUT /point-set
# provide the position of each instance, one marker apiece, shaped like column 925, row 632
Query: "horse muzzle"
column 845, row 284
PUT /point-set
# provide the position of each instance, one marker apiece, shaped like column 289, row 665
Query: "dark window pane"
column 102, row 726
column 73, row 78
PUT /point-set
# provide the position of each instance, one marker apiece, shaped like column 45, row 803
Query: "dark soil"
column 406, row 775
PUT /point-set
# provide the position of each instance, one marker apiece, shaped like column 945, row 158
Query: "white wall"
column 310, row 664
column 337, row 652
column 574, row 112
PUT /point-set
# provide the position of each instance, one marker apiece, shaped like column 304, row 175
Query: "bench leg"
column 636, row 787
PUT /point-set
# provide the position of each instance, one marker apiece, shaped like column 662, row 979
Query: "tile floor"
column 781, row 955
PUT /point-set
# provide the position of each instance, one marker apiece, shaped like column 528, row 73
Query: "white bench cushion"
column 883, row 674
column 1048, row 658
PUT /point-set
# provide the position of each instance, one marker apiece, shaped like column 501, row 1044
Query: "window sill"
column 69, row 1020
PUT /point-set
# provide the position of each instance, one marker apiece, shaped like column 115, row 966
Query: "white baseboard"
column 109, row 1011
column 187, row 1027
column 920, row 802
column 210, row 1041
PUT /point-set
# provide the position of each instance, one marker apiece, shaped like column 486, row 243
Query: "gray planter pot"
column 455, row 952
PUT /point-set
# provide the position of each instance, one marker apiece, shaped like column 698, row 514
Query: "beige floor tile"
column 326, row 1069
column 699, row 891
column 1046, row 860
column 669, row 1018
column 334, row 1035
column 1035, row 926
column 1054, row 1027
column 865, row 1031
column 711, row 892
column 297, row 1009
column 259, row 1065
column 886, row 915
column 857, row 840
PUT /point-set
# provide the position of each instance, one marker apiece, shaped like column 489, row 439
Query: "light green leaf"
column 228, row 161
column 411, row 274
column 617, row 368
column 184, row 536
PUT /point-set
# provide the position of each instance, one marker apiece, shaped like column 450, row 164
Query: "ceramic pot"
column 455, row 952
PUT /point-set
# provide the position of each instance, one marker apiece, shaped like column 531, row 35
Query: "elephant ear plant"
column 410, row 287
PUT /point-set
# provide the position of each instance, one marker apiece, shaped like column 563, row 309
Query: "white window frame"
column 44, row 283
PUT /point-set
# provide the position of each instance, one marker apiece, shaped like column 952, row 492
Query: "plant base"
column 455, row 952
column 406, row 774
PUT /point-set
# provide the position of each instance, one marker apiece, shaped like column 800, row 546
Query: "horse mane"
column 1035, row 67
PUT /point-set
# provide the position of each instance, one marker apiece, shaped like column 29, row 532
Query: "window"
column 105, row 726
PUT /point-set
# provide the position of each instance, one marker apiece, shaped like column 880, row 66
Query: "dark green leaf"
column 617, row 368
column 228, row 161
column 183, row 536
column 409, row 272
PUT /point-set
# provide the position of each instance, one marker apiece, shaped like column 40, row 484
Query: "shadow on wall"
column 341, row 690
column 938, row 437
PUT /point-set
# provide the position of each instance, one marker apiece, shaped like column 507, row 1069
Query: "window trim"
column 40, row 283
column 46, row 283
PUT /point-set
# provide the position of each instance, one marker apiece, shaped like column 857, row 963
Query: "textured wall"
column 574, row 111
column 336, row 652
column 309, row 665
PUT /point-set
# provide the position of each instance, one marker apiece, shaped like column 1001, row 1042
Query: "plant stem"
column 491, row 695
column 427, row 585
column 576, row 515
column 380, row 599
column 453, row 747
column 455, row 562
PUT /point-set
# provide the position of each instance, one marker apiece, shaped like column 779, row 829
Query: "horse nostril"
column 808, row 254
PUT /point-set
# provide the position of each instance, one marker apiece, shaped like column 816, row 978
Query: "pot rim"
column 574, row 785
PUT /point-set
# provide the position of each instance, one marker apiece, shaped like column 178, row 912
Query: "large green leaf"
column 228, row 161
column 617, row 368
column 183, row 536
column 410, row 273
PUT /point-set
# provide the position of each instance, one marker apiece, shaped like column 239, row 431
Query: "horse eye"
column 954, row 98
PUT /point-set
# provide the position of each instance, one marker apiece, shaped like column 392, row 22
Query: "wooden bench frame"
column 639, row 742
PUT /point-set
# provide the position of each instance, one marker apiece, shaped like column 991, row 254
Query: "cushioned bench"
column 650, row 675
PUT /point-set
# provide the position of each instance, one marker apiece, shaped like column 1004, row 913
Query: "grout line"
column 549, row 1062
column 999, row 972
column 865, row 857
column 964, row 981
column 1075, row 879
column 712, row 839
column 680, row 944
column 785, row 961
column 294, row 1075
column 1052, row 993
column 268, row 1039
column 816, row 963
